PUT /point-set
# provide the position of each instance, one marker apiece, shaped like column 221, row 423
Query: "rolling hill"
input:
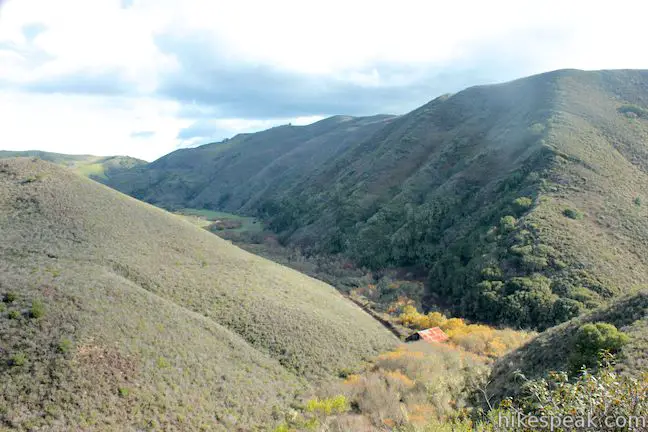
column 524, row 202
column 551, row 350
column 99, row 168
column 239, row 173
column 117, row 315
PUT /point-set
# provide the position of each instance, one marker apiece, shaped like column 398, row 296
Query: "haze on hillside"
column 183, row 73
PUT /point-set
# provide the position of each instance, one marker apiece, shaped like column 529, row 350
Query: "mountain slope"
column 524, row 201
column 551, row 350
column 97, row 167
column 118, row 315
column 235, row 174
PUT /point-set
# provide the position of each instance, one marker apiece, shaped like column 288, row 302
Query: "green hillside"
column 97, row 167
column 523, row 202
column 552, row 349
column 116, row 315
column 236, row 174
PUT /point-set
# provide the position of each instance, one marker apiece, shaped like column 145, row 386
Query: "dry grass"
column 150, row 322
column 409, row 387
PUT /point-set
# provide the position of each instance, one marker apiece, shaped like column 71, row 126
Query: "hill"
column 116, row 315
column 236, row 174
column 99, row 168
column 523, row 202
column 552, row 349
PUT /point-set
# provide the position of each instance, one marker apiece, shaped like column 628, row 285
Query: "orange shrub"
column 478, row 339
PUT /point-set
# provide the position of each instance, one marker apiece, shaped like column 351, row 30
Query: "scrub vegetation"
column 119, row 315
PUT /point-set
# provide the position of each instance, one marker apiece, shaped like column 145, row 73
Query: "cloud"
column 207, row 82
column 142, row 134
column 32, row 30
column 211, row 85
column 82, row 124
column 195, row 71
column 83, row 83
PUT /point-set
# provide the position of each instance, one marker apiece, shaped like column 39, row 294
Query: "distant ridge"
column 97, row 167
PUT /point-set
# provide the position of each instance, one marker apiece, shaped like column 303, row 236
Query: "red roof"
column 434, row 334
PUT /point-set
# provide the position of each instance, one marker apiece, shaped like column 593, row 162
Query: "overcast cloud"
column 143, row 77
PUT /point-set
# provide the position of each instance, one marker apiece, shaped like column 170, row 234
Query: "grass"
column 205, row 218
column 92, row 170
column 127, row 296
column 411, row 386
column 100, row 168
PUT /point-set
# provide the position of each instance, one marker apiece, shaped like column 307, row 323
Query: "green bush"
column 65, row 345
column 492, row 273
column 597, row 397
column 10, row 297
column 327, row 406
column 18, row 359
column 162, row 363
column 635, row 110
column 523, row 203
column 566, row 308
column 591, row 340
column 37, row 309
column 637, row 201
column 507, row 223
column 573, row 214
column 14, row 314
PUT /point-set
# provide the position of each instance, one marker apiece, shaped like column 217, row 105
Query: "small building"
column 431, row 335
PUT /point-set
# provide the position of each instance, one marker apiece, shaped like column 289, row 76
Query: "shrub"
column 573, row 214
column 333, row 405
column 591, row 340
column 633, row 110
column 637, row 201
column 600, row 396
column 534, row 263
column 14, row 314
column 64, row 346
column 436, row 319
column 566, row 308
column 162, row 363
column 37, row 309
column 507, row 223
column 474, row 338
column 492, row 273
column 10, row 297
column 18, row 359
column 415, row 375
column 523, row 203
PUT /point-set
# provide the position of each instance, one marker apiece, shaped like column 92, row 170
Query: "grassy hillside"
column 234, row 175
column 552, row 349
column 97, row 167
column 117, row 315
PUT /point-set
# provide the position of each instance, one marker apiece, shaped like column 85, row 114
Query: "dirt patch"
column 107, row 363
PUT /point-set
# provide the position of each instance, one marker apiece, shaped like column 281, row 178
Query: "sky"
column 146, row 77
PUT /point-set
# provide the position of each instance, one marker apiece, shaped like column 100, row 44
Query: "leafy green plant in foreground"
column 612, row 401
